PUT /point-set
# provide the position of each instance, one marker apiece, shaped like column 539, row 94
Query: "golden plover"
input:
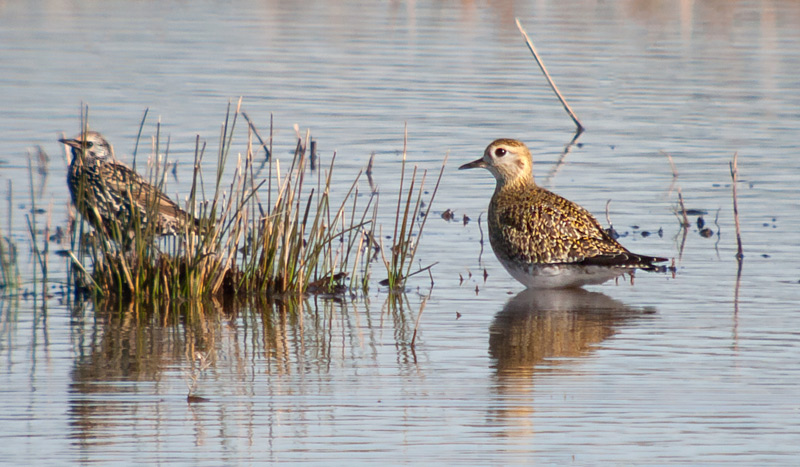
column 108, row 193
column 542, row 239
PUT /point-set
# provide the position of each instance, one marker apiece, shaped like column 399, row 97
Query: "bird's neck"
column 85, row 160
column 77, row 159
column 519, row 182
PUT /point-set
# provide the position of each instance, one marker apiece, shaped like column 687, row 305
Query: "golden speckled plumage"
column 542, row 239
column 530, row 224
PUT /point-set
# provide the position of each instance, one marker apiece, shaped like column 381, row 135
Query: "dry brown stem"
column 735, row 178
column 549, row 79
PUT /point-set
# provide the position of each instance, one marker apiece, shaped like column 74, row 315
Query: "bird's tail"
column 626, row 260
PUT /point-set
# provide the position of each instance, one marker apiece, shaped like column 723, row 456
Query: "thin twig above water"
column 735, row 178
column 572, row 115
column 267, row 150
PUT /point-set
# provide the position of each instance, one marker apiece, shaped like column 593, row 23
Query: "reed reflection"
column 123, row 355
column 537, row 331
column 141, row 371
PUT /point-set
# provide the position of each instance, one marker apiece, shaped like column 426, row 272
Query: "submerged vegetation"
column 274, row 235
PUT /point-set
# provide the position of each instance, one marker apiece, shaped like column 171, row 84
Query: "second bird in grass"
column 542, row 239
column 111, row 195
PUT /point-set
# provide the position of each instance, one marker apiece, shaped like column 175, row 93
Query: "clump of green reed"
column 278, row 236
column 295, row 243
column 407, row 230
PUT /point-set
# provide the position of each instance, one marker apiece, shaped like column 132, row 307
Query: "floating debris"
column 448, row 215
column 466, row 219
column 58, row 236
column 370, row 164
column 706, row 232
column 330, row 284
column 696, row 212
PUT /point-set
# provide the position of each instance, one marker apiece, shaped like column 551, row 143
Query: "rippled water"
column 672, row 369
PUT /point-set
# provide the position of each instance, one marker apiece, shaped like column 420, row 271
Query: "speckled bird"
column 112, row 192
column 542, row 239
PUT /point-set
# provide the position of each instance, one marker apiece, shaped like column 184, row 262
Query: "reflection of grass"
column 295, row 241
column 9, row 269
column 215, row 345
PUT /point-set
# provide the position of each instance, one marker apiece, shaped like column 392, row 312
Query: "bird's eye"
column 499, row 152
column 89, row 144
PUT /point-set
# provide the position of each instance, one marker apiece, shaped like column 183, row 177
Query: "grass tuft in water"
column 400, row 258
column 296, row 241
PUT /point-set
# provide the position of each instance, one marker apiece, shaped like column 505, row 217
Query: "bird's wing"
column 543, row 227
column 141, row 192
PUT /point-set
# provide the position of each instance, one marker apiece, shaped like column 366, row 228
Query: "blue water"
column 669, row 370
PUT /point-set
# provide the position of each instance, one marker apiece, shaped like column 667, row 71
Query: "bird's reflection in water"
column 535, row 332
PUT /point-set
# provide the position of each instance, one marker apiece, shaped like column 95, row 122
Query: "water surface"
column 669, row 370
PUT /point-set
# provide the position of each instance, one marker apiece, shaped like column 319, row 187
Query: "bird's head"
column 508, row 160
column 92, row 145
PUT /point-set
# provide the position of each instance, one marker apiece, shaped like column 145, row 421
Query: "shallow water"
column 669, row 370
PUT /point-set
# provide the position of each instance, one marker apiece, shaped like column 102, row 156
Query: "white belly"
column 538, row 276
